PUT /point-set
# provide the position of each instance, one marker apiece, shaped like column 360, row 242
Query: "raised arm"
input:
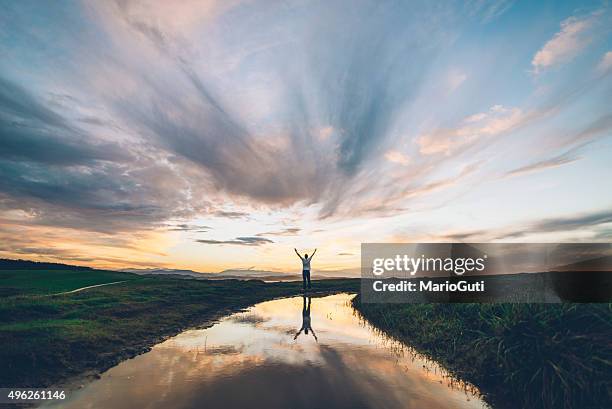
column 298, row 254
column 313, row 253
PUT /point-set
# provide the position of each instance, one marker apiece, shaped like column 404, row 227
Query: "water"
column 253, row 360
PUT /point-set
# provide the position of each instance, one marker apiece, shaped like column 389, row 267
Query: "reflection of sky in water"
column 251, row 360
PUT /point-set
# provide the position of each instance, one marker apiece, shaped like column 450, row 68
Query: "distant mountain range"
column 238, row 274
column 227, row 274
column 245, row 274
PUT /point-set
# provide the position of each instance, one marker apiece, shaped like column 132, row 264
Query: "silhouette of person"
column 305, row 267
column 306, row 323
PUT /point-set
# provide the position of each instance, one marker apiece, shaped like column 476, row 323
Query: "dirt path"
column 89, row 286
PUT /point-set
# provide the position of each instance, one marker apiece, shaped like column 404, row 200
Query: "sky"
column 215, row 135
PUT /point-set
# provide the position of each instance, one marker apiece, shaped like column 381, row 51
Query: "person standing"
column 305, row 267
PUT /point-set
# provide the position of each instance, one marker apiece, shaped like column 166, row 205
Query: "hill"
column 10, row 264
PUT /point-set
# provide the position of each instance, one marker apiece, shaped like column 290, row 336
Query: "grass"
column 49, row 339
column 519, row 355
column 23, row 282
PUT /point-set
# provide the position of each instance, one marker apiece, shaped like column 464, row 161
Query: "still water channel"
column 286, row 353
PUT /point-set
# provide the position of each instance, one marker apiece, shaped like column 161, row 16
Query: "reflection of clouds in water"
column 331, row 317
column 251, row 360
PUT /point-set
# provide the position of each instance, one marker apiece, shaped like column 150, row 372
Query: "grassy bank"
column 47, row 339
column 519, row 355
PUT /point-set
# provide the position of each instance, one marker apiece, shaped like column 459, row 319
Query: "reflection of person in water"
column 306, row 267
column 306, row 325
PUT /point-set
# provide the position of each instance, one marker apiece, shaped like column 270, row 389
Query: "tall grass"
column 520, row 355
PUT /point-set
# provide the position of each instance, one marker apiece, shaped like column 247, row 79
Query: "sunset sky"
column 213, row 135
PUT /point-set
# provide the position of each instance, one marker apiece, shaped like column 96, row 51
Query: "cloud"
column 581, row 222
column 600, row 127
column 397, row 192
column 17, row 103
column 188, row 227
column 554, row 162
column 465, row 236
column 63, row 175
column 237, row 161
column 488, row 10
column 455, row 79
column 259, row 122
column 398, row 157
column 325, row 132
column 575, row 223
column 597, row 129
column 565, row 44
column 138, row 122
column 498, row 120
column 606, row 63
column 239, row 241
column 442, row 183
column 230, row 214
column 57, row 243
column 351, row 110
column 30, row 131
column 290, row 231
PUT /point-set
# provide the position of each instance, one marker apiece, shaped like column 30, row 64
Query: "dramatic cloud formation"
column 49, row 168
column 135, row 129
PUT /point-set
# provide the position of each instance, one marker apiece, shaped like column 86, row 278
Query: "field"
column 50, row 339
column 47, row 282
column 519, row 355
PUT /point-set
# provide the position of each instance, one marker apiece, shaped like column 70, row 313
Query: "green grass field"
column 29, row 282
column 47, row 339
